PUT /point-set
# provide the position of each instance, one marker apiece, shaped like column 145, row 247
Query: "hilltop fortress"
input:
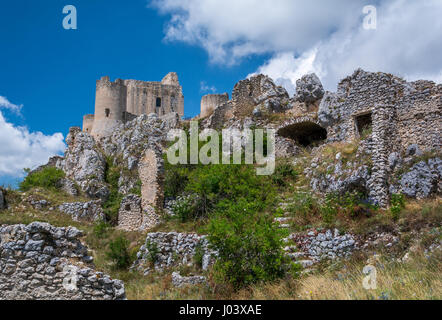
column 123, row 100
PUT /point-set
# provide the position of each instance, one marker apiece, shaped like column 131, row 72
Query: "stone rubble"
column 180, row 281
column 174, row 249
column 317, row 246
column 83, row 211
column 42, row 262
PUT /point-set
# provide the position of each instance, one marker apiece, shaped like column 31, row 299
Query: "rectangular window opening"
column 363, row 123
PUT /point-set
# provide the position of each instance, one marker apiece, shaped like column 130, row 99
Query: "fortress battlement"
column 120, row 100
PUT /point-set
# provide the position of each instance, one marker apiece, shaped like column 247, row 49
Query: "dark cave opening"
column 304, row 133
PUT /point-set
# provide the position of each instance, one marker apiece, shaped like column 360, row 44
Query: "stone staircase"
column 291, row 250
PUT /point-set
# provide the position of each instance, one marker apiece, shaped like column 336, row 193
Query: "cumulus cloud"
column 232, row 29
column 321, row 36
column 20, row 148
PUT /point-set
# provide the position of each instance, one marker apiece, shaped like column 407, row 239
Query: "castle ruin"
column 210, row 102
column 123, row 100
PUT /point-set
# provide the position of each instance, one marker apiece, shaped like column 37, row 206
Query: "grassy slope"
column 419, row 278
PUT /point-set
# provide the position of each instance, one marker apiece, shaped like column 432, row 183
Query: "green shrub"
column 397, row 204
column 198, row 256
column 215, row 183
column 302, row 205
column 329, row 209
column 46, row 178
column 137, row 188
column 175, row 180
column 186, row 209
column 112, row 205
column 153, row 251
column 249, row 244
column 284, row 173
column 119, row 253
column 101, row 229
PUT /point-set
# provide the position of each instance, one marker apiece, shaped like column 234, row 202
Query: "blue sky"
column 48, row 74
column 52, row 71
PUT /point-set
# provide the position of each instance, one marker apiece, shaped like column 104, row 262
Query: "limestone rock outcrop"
column 309, row 89
column 423, row 180
column 84, row 164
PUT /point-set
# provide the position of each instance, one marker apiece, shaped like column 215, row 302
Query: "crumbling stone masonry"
column 42, row 262
column 131, row 216
column 416, row 109
column 210, row 102
column 174, row 249
column 83, row 211
column 142, row 213
column 123, row 100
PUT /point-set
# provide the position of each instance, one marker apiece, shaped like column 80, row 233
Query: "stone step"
column 290, row 248
column 305, row 263
column 283, row 220
column 295, row 256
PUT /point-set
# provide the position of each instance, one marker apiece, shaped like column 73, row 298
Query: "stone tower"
column 210, row 102
column 123, row 100
column 110, row 105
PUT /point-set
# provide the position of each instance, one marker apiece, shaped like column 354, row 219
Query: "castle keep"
column 123, row 100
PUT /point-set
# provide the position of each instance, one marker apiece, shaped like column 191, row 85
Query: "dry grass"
column 418, row 279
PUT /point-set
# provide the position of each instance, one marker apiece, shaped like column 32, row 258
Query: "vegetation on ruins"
column 46, row 178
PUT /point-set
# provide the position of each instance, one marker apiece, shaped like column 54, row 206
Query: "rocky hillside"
column 358, row 175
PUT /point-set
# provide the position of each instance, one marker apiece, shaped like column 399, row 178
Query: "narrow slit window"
column 107, row 113
column 158, row 104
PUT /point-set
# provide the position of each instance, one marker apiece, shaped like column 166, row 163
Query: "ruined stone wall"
column 259, row 89
column 121, row 101
column 174, row 249
column 88, row 123
column 142, row 98
column 131, row 216
column 42, row 262
column 210, row 102
column 417, row 107
column 151, row 173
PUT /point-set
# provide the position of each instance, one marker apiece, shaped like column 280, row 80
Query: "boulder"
column 413, row 151
column 328, row 115
column 309, row 89
column 423, row 179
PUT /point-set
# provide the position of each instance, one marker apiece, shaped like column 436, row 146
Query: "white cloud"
column 285, row 69
column 21, row 149
column 4, row 103
column 204, row 87
column 232, row 29
column 319, row 36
